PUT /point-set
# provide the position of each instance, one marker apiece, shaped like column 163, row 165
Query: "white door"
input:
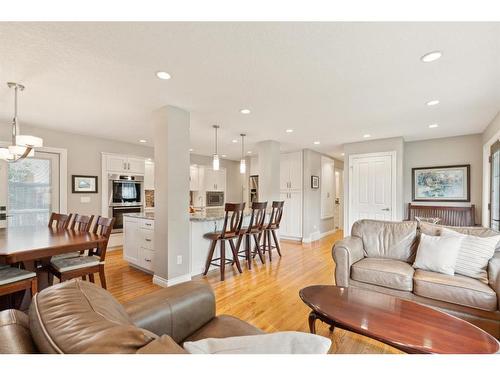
column 33, row 189
column 130, row 240
column 327, row 188
column 339, row 199
column 295, row 214
column 371, row 188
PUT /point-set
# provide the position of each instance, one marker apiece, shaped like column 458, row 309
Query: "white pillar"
column 269, row 171
column 172, row 233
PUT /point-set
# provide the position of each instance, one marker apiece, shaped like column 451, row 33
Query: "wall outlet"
column 179, row 259
column 84, row 199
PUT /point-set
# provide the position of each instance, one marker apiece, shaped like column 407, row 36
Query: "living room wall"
column 465, row 149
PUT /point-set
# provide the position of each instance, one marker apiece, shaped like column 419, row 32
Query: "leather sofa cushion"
column 15, row 337
column 435, row 230
column 389, row 273
column 81, row 317
column 387, row 239
column 461, row 290
column 224, row 326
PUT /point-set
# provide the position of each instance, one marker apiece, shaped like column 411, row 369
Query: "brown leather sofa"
column 379, row 256
column 80, row 317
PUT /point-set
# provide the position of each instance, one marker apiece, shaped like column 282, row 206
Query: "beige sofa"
column 379, row 256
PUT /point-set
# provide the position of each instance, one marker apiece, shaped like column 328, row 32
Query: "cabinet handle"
column 148, row 260
column 148, row 239
column 147, row 224
column 129, row 166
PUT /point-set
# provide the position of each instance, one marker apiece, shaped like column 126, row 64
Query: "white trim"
column 316, row 236
column 394, row 209
column 485, row 216
column 160, row 281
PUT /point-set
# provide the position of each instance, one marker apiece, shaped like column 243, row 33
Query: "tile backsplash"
column 150, row 198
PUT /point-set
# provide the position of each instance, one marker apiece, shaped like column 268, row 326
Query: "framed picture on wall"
column 84, row 184
column 445, row 184
column 314, row 182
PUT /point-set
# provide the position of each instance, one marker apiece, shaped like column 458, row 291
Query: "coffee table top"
column 406, row 325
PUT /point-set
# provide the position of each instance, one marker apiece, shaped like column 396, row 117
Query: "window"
column 33, row 189
column 495, row 186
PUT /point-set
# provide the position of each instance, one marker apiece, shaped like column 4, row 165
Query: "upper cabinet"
column 291, row 171
column 125, row 164
column 149, row 175
column 214, row 180
column 194, row 178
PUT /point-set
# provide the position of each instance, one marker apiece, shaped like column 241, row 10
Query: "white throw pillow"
column 438, row 253
column 474, row 254
column 269, row 343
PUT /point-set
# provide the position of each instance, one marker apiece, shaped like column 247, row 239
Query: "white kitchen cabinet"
column 138, row 242
column 124, row 164
column 291, row 171
column 130, row 240
column 291, row 222
column 214, row 180
column 149, row 176
column 194, row 178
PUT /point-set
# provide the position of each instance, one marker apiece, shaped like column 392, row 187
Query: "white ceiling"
column 331, row 82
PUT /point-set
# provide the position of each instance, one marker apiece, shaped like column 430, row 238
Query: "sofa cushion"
column 224, row 326
column 389, row 273
column 457, row 289
column 80, row 317
column 438, row 253
column 387, row 239
column 435, row 230
column 15, row 337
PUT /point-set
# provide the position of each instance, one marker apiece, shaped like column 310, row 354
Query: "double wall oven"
column 125, row 196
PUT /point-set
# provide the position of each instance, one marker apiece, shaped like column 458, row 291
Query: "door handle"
column 386, row 209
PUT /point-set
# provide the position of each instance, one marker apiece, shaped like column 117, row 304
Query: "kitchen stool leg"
column 235, row 256
column 276, row 242
column 222, row 259
column 210, row 256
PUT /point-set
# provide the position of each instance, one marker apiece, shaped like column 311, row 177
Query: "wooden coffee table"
column 405, row 325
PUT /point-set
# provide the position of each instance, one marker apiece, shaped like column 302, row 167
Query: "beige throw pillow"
column 269, row 343
column 474, row 254
column 438, row 253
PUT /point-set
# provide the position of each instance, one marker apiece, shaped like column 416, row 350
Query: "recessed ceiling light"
column 366, row 136
column 244, row 111
column 289, row 130
column 316, row 142
column 249, row 152
column 142, row 140
column 163, row 75
column 432, row 126
column 234, row 141
column 432, row 102
column 191, row 150
column 431, row 56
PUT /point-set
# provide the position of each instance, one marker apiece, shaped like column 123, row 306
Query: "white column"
column 171, row 142
column 269, row 171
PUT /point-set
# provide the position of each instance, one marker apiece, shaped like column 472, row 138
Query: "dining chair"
column 89, row 264
column 271, row 228
column 233, row 218
column 14, row 279
column 254, row 229
column 59, row 221
column 81, row 223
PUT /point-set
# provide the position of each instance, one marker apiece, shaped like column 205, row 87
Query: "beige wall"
column 465, row 149
column 84, row 158
column 492, row 129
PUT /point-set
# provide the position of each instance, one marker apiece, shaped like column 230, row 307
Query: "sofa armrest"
column 176, row 311
column 494, row 274
column 345, row 253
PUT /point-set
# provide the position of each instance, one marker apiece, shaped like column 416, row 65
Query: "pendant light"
column 243, row 164
column 215, row 162
column 22, row 145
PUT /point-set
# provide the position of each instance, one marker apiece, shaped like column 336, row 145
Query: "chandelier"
column 22, row 146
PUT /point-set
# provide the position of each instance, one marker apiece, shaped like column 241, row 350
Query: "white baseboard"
column 317, row 236
column 160, row 281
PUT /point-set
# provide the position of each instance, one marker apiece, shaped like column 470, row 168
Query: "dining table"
column 33, row 246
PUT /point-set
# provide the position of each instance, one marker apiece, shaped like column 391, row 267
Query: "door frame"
column 348, row 210
column 63, row 173
column 485, row 215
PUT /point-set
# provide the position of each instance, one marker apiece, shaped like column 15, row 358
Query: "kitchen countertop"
column 141, row 215
column 206, row 215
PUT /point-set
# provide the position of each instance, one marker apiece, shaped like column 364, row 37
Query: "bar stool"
column 254, row 229
column 233, row 218
column 270, row 229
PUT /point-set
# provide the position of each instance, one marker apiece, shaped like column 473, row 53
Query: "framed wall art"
column 444, row 184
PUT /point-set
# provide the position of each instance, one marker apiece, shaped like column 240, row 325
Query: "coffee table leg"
column 312, row 321
column 332, row 327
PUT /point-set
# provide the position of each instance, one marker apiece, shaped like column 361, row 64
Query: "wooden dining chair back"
column 82, row 223
column 59, row 221
column 270, row 229
column 86, row 265
column 233, row 219
column 255, row 229
column 15, row 279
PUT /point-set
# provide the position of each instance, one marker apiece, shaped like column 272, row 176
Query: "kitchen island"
column 138, row 230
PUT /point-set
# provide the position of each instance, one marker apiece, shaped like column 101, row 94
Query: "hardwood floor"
column 266, row 296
